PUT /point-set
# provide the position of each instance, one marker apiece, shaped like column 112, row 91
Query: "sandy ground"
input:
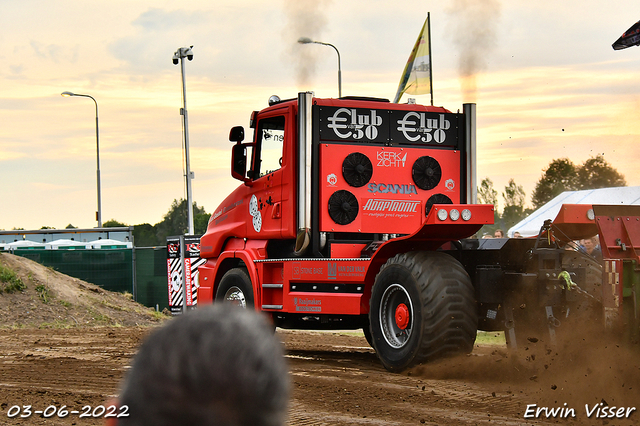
column 336, row 377
column 337, row 380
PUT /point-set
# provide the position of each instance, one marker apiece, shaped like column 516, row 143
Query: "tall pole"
column 99, row 212
column 339, row 69
column 430, row 56
column 185, row 52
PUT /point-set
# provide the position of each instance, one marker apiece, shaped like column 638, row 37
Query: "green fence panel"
column 111, row 269
column 151, row 277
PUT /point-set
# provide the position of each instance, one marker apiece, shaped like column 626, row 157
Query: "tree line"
column 174, row 222
column 559, row 176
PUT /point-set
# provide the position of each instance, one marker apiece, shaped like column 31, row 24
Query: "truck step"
column 272, row 285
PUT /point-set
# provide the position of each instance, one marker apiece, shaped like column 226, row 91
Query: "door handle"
column 276, row 214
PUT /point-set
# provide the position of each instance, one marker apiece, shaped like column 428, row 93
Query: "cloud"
column 156, row 32
column 11, row 155
column 158, row 20
column 55, row 52
column 16, row 70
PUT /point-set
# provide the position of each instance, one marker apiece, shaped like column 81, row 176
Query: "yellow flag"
column 416, row 77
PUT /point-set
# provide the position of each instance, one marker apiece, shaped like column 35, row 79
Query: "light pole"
column 179, row 55
column 99, row 212
column 307, row 40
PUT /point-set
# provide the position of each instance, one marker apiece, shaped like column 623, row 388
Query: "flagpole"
column 430, row 57
column 410, row 67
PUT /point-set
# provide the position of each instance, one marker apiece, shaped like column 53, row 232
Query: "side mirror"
column 236, row 134
column 239, row 163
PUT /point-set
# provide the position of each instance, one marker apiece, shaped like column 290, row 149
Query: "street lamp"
column 179, row 55
column 307, row 40
column 99, row 212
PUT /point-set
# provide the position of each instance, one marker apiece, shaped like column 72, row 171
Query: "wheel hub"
column 396, row 311
column 402, row 316
column 235, row 296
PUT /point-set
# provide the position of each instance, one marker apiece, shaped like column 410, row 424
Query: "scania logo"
column 417, row 127
column 385, row 188
column 347, row 123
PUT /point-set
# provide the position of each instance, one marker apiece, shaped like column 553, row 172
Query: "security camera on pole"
column 180, row 54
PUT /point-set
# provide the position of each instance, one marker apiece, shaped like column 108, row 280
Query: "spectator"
column 498, row 233
column 517, row 234
column 592, row 247
column 217, row 365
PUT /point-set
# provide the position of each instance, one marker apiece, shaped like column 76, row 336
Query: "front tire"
column 422, row 308
column 366, row 329
column 235, row 288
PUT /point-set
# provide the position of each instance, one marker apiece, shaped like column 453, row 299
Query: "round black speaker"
column 357, row 169
column 436, row 199
column 426, row 173
column 343, row 207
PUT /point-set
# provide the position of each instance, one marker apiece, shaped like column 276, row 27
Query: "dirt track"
column 73, row 347
column 337, row 380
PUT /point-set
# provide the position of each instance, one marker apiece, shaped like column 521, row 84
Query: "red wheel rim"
column 402, row 316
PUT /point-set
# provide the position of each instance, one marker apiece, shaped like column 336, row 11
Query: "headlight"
column 442, row 214
column 466, row 214
column 590, row 214
column 454, row 214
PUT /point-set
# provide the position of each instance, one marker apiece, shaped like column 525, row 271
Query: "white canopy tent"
column 66, row 243
column 108, row 243
column 24, row 244
column 530, row 226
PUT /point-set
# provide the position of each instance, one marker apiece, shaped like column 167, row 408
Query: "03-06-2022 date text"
column 26, row 411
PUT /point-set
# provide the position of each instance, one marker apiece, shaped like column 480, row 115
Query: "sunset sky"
column 543, row 74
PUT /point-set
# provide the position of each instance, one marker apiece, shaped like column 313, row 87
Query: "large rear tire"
column 235, row 288
column 422, row 308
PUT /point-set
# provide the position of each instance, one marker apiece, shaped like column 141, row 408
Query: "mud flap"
column 552, row 323
column 510, row 330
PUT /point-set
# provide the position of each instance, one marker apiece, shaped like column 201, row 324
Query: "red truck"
column 354, row 213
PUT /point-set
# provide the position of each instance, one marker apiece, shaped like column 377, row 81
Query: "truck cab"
column 336, row 195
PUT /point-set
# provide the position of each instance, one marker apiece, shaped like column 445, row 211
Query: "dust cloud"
column 587, row 365
column 472, row 25
column 305, row 18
